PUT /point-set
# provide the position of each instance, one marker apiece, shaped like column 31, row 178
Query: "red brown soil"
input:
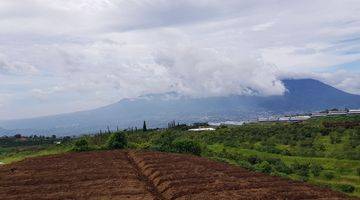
column 144, row 175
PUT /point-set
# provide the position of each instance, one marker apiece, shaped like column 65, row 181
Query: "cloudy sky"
column 59, row 56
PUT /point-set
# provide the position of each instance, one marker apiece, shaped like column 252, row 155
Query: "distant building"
column 263, row 119
column 202, row 129
column 268, row 119
column 354, row 112
column 319, row 114
column 337, row 112
column 299, row 118
column 284, row 119
column 234, row 123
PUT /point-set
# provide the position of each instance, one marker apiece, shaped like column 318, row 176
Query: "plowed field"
column 144, row 175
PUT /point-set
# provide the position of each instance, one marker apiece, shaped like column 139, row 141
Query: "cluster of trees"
column 19, row 140
column 169, row 142
column 114, row 140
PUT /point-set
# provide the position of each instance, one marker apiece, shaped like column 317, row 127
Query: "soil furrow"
column 142, row 177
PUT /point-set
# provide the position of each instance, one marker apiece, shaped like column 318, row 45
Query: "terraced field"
column 144, row 175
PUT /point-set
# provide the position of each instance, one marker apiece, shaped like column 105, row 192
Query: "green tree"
column 264, row 166
column 316, row 169
column 301, row 169
column 346, row 188
column 186, row 146
column 335, row 137
column 81, row 145
column 117, row 140
column 329, row 175
column 144, row 126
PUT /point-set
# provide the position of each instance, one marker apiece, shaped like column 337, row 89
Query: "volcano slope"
column 144, row 175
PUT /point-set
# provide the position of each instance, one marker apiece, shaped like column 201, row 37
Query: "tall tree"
column 144, row 127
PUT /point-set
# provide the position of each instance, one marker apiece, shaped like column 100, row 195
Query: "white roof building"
column 235, row 123
column 299, row 118
column 284, row 119
column 202, row 129
column 263, row 119
column 337, row 112
column 357, row 111
column 318, row 114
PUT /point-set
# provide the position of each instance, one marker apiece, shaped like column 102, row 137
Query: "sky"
column 59, row 56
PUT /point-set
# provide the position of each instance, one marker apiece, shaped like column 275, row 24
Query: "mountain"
column 302, row 95
column 310, row 95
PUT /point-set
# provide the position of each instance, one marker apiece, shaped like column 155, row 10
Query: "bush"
column 245, row 164
column 186, row 146
column 81, row 145
column 346, row 188
column 276, row 173
column 335, row 137
column 316, row 169
column 163, row 142
column 253, row 160
column 116, row 140
column 264, row 167
column 280, row 166
column 329, row 175
column 301, row 169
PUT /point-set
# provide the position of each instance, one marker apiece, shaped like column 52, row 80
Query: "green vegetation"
column 323, row 151
column 81, row 145
column 116, row 140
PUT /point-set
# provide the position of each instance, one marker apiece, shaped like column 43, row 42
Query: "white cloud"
column 16, row 67
column 99, row 51
column 262, row 27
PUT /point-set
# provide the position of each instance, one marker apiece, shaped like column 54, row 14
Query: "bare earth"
column 144, row 175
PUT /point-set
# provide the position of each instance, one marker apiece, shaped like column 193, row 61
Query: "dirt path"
column 144, row 175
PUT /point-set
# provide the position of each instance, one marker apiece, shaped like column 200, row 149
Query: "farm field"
column 121, row 174
column 321, row 151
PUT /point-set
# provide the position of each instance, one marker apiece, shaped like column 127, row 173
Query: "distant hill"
column 302, row 95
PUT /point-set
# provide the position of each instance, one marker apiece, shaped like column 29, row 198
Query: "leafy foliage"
column 187, row 146
column 81, row 145
column 346, row 188
column 116, row 140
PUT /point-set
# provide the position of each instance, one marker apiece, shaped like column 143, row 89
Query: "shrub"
column 280, row 166
column 163, row 141
column 264, row 167
column 335, row 137
column 358, row 171
column 285, row 152
column 276, row 173
column 253, row 160
column 301, row 169
column 186, row 146
column 245, row 164
column 81, row 145
column 329, row 175
column 346, row 188
column 116, row 140
column 316, row 169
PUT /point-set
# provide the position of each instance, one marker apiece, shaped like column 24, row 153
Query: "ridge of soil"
column 141, row 176
column 121, row 174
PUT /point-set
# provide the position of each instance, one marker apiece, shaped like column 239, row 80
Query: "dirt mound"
column 144, row 175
